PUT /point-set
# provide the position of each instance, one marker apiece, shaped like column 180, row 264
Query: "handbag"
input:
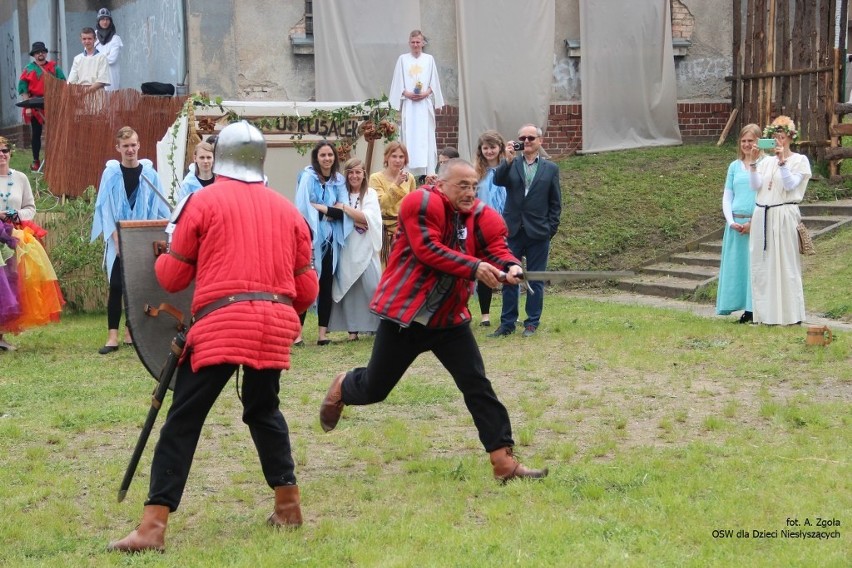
column 806, row 244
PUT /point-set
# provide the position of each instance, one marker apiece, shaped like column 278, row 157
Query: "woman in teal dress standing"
column 734, row 291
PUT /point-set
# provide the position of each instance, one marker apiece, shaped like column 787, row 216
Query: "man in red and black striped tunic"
column 447, row 239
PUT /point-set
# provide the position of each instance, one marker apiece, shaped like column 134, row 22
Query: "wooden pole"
column 727, row 128
column 770, row 60
column 369, row 156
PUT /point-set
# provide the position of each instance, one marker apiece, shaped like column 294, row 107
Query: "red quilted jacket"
column 235, row 237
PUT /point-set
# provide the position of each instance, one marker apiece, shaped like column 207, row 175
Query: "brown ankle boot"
column 149, row 535
column 507, row 468
column 287, row 512
column 332, row 405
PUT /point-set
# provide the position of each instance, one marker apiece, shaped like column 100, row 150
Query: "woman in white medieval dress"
column 776, row 265
column 359, row 269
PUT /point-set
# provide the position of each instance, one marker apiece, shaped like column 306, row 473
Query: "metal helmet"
column 239, row 152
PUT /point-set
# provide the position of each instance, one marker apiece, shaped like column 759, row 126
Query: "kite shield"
column 154, row 316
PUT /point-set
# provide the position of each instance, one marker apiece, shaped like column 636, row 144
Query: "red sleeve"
column 176, row 270
column 491, row 233
column 423, row 217
column 306, row 281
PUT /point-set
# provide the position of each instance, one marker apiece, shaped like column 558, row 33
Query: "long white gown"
column 776, row 265
column 418, row 117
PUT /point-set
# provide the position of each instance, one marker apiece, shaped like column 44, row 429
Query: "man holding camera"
column 533, row 208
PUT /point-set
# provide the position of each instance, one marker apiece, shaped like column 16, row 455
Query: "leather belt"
column 244, row 297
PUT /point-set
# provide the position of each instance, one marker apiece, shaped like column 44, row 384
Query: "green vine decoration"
column 373, row 119
column 193, row 101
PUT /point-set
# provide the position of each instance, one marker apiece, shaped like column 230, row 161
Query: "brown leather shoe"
column 149, row 535
column 287, row 512
column 507, row 467
column 332, row 405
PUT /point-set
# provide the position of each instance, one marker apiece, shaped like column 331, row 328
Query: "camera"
column 766, row 143
column 518, row 146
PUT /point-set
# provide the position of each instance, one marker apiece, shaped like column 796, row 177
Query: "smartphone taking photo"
column 766, row 143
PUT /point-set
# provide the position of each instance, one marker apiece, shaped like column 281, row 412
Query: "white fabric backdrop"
column 505, row 66
column 356, row 44
column 628, row 77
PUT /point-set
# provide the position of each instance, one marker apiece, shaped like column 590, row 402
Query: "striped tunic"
column 430, row 273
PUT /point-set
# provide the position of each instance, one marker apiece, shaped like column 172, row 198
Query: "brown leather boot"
column 287, row 512
column 149, row 535
column 332, row 405
column 507, row 467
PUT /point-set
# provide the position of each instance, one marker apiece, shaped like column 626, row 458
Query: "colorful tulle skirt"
column 29, row 290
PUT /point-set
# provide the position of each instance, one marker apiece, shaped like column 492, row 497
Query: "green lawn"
column 659, row 428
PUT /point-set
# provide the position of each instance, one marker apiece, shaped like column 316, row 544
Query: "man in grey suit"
column 533, row 207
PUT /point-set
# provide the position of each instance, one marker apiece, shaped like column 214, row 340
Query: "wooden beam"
column 841, row 129
column 728, row 125
column 838, row 153
column 790, row 73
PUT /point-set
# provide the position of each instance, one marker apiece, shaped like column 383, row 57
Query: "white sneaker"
column 6, row 346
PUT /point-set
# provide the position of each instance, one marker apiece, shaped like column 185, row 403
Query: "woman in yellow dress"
column 391, row 185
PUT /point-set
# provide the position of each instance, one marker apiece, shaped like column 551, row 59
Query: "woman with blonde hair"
column 359, row 270
column 776, row 265
column 200, row 172
column 734, row 289
column 391, row 185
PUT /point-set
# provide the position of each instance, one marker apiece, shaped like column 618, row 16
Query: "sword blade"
column 577, row 275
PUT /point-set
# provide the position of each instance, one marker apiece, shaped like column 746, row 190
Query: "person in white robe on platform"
column 359, row 270
column 776, row 265
column 416, row 92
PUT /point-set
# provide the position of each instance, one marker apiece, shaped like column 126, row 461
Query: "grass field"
column 659, row 428
column 662, row 430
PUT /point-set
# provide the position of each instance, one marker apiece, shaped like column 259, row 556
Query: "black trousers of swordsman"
column 194, row 395
column 395, row 349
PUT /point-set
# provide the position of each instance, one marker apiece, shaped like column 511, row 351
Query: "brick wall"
column 563, row 134
column 683, row 23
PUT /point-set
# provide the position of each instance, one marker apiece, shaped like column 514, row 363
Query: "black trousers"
column 485, row 293
column 115, row 297
column 395, row 349
column 194, row 395
column 324, row 298
column 36, row 128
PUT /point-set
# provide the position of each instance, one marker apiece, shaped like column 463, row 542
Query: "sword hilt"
column 502, row 278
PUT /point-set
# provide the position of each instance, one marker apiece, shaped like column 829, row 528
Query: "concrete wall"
column 152, row 32
column 223, row 37
column 242, row 50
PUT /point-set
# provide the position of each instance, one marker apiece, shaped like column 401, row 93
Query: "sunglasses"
column 5, row 151
column 527, row 138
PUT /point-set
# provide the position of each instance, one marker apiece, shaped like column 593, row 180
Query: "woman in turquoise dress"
column 734, row 291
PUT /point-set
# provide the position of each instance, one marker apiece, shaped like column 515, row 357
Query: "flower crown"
column 770, row 131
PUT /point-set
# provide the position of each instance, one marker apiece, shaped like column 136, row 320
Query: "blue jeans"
column 536, row 252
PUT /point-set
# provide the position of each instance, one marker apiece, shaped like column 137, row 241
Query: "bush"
column 76, row 261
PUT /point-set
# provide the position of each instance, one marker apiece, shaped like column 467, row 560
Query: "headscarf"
column 105, row 35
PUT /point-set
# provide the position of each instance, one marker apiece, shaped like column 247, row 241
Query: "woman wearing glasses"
column 29, row 291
